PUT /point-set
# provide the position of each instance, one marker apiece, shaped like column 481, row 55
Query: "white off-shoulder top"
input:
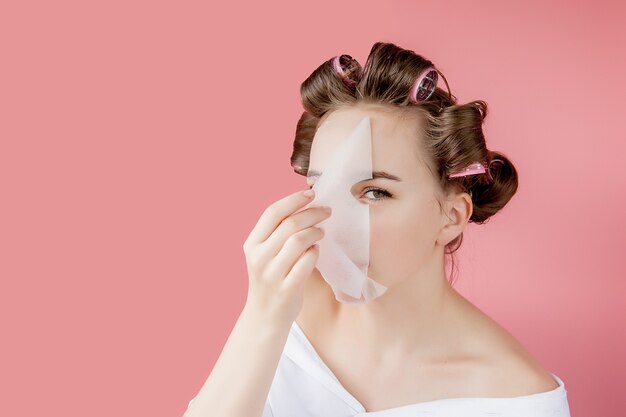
column 304, row 386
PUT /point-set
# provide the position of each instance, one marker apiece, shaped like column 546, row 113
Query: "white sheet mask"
column 344, row 250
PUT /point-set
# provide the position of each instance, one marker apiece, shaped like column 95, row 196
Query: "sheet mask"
column 344, row 250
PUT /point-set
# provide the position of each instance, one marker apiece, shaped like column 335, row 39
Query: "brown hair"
column 451, row 138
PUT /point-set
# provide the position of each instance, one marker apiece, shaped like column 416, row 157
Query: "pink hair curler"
column 475, row 168
column 424, row 86
column 341, row 65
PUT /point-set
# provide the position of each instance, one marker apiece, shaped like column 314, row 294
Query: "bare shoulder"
column 491, row 361
column 506, row 368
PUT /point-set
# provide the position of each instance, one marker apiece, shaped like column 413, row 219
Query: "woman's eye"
column 384, row 194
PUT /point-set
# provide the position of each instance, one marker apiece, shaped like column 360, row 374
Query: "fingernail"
column 308, row 193
column 327, row 209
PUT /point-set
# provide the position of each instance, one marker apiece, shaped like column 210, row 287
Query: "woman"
column 419, row 349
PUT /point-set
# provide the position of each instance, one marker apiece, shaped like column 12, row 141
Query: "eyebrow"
column 375, row 175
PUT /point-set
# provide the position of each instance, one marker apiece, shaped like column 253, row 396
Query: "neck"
column 409, row 317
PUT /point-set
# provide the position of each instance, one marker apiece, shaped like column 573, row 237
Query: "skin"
column 421, row 340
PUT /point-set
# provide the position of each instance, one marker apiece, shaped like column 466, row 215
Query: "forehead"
column 395, row 136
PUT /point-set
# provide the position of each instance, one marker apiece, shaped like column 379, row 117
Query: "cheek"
column 401, row 235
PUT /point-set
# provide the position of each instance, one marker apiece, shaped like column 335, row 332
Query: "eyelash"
column 375, row 200
column 380, row 190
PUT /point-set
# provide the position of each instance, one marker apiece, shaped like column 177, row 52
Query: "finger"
column 290, row 226
column 302, row 269
column 274, row 214
column 298, row 243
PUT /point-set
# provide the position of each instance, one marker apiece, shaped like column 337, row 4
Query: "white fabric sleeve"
column 267, row 409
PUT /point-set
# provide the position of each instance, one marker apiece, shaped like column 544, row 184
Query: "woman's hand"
column 280, row 255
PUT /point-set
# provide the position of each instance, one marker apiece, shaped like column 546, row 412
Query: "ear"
column 457, row 211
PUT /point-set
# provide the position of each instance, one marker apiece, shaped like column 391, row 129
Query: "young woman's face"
column 405, row 218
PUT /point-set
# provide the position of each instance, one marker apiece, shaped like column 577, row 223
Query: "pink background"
column 141, row 141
